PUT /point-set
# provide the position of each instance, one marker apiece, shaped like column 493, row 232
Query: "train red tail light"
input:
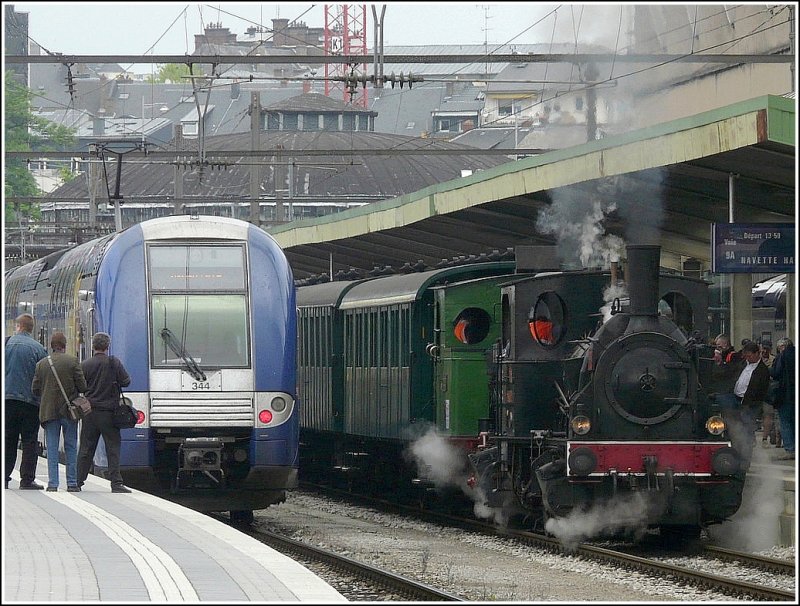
column 139, row 417
column 265, row 416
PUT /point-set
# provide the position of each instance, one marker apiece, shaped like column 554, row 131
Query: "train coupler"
column 200, row 463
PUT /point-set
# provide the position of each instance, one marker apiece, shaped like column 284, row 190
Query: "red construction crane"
column 345, row 34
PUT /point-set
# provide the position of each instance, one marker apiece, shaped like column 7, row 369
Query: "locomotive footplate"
column 200, row 463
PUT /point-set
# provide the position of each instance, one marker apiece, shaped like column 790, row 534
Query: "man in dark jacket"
column 783, row 370
column 105, row 376
column 21, row 417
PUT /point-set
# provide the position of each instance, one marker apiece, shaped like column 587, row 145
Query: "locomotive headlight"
column 278, row 404
column 715, row 425
column 581, row 425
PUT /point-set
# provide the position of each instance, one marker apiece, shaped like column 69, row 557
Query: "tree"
column 25, row 131
column 172, row 72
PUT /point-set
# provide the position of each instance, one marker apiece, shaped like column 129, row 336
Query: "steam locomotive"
column 534, row 398
column 614, row 426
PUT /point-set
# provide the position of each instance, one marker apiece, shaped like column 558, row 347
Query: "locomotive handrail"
column 563, row 397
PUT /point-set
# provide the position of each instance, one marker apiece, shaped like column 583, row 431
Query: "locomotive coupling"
column 201, row 454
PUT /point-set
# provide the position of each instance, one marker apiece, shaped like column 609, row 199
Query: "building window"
column 505, row 107
column 444, row 125
column 579, row 103
column 410, row 125
column 189, row 128
column 330, row 122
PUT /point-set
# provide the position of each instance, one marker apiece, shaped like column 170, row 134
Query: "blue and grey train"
column 201, row 310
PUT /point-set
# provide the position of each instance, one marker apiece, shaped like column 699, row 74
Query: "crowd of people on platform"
column 38, row 392
column 752, row 384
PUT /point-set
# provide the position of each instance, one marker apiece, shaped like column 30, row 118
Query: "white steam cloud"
column 756, row 526
column 438, row 460
column 627, row 513
column 615, row 291
column 446, row 466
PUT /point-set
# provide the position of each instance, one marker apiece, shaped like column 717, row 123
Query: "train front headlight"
column 278, row 404
column 715, row 425
column 581, row 425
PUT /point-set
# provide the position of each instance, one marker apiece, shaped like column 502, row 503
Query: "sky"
column 104, row 28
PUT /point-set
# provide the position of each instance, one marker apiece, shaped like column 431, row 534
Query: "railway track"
column 729, row 586
column 749, row 559
column 383, row 581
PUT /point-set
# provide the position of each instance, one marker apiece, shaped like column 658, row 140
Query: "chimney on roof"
column 279, row 27
column 98, row 126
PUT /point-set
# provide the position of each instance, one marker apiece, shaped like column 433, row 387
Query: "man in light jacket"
column 22, row 407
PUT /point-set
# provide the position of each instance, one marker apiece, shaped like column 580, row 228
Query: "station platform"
column 95, row 545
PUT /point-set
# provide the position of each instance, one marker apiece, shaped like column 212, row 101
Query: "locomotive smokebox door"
column 647, row 378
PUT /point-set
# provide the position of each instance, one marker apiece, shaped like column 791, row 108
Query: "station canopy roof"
column 665, row 184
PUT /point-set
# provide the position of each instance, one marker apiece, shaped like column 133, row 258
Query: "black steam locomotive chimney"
column 643, row 264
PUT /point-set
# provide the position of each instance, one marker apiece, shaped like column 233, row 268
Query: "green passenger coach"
column 373, row 357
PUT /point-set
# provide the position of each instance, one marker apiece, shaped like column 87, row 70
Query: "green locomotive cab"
column 467, row 325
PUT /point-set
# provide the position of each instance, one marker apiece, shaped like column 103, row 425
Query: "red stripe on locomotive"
column 688, row 458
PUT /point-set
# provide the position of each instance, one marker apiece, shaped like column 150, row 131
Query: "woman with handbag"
column 57, row 381
column 105, row 375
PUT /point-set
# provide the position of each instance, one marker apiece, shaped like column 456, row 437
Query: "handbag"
column 125, row 415
column 77, row 408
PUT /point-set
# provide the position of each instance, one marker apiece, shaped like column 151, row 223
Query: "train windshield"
column 198, row 307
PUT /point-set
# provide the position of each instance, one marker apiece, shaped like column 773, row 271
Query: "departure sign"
column 752, row 247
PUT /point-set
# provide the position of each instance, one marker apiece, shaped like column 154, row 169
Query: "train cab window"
column 678, row 308
column 471, row 325
column 198, row 306
column 217, row 267
column 546, row 319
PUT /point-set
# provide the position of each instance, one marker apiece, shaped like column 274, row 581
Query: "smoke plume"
column 576, row 221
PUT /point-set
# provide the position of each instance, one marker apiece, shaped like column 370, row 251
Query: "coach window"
column 471, row 325
column 546, row 319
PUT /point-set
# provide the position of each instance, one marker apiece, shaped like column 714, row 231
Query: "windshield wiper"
column 175, row 345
